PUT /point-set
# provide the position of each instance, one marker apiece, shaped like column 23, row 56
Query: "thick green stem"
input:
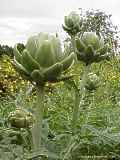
column 77, row 96
column 37, row 128
column 78, row 100
column 73, row 43
column 83, row 81
column 75, row 110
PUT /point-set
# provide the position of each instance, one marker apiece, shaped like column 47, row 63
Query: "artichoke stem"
column 37, row 128
column 84, row 78
column 73, row 43
column 75, row 110
column 78, row 100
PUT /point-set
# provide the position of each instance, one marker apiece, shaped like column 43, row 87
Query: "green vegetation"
column 54, row 109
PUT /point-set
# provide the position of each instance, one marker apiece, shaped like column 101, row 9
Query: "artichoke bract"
column 91, row 48
column 42, row 59
column 72, row 23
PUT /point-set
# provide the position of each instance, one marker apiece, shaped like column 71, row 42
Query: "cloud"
column 14, row 30
column 52, row 8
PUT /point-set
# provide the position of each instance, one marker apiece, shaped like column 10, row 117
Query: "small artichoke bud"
column 72, row 23
column 90, row 38
column 21, row 118
column 42, row 60
column 93, row 82
column 91, row 48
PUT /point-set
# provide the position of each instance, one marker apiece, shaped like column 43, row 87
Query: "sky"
column 21, row 18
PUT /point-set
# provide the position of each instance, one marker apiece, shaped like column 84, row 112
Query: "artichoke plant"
column 91, row 48
column 72, row 23
column 41, row 61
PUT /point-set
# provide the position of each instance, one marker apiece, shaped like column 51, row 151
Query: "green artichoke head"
column 42, row 59
column 93, row 82
column 21, row 118
column 91, row 48
column 72, row 23
column 90, row 38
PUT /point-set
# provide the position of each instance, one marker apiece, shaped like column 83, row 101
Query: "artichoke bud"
column 21, row 119
column 42, row 60
column 92, row 82
column 91, row 48
column 72, row 22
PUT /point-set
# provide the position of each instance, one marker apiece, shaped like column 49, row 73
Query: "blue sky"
column 21, row 18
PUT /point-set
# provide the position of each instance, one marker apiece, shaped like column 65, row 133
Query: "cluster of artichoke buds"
column 42, row 60
column 21, row 118
column 91, row 48
column 93, row 82
column 72, row 23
